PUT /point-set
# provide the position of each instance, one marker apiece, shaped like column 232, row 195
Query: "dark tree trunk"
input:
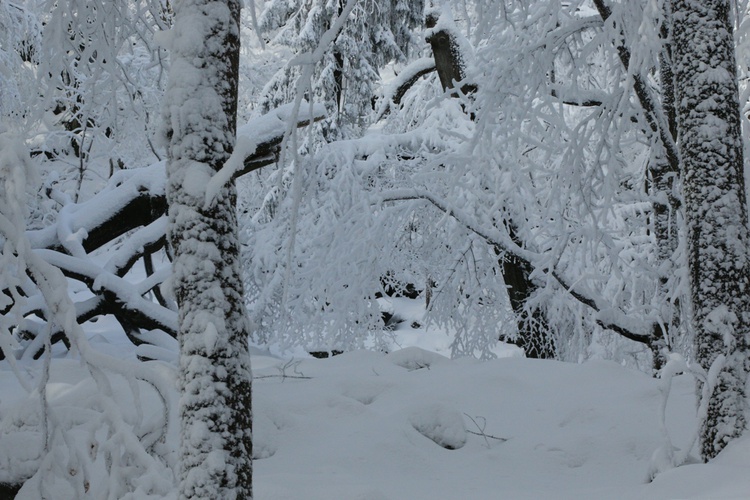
column 708, row 124
column 338, row 71
column 533, row 328
column 215, row 377
column 448, row 58
column 9, row 491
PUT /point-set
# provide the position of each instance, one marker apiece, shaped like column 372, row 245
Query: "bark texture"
column 708, row 123
column 215, row 377
column 448, row 57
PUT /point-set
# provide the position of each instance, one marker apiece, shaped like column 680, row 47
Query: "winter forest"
column 374, row 249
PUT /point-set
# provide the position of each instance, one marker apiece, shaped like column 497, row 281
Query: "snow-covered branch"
column 607, row 317
column 397, row 88
column 652, row 109
column 133, row 205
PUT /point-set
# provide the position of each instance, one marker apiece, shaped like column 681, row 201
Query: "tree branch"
column 118, row 293
column 504, row 242
column 404, row 81
column 651, row 107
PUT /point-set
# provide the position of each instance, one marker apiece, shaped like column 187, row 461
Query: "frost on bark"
column 708, row 123
column 215, row 379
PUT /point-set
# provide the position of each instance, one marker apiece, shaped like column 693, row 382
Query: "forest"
column 374, row 249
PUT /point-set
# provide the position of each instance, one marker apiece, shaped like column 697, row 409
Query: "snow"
column 258, row 131
column 357, row 428
column 408, row 424
column 123, row 188
column 411, row 423
column 442, row 425
column 572, row 431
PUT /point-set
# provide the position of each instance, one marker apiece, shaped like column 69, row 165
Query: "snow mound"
column 265, row 437
column 414, row 358
column 365, row 391
column 444, row 426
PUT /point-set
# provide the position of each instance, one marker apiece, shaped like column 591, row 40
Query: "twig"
column 292, row 363
column 481, row 432
column 282, row 377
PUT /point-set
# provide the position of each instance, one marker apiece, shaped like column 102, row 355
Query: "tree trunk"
column 708, row 123
column 448, row 58
column 215, row 377
column 663, row 177
column 533, row 328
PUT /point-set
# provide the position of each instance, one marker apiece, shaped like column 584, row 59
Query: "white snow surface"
column 364, row 426
column 408, row 424
column 258, row 131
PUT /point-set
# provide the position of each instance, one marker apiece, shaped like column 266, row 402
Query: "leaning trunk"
column 533, row 328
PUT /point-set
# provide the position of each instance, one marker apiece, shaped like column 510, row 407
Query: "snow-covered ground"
column 373, row 426
column 411, row 424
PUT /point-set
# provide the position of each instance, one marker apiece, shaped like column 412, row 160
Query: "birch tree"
column 708, row 123
column 215, row 379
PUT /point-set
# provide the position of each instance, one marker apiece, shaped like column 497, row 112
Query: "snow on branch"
column 403, row 82
column 653, row 110
column 258, row 143
column 115, row 439
column 580, row 97
column 607, row 318
column 132, row 208
column 135, row 197
column 132, row 199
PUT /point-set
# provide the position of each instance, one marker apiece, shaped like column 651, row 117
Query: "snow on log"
column 134, row 202
column 405, row 80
